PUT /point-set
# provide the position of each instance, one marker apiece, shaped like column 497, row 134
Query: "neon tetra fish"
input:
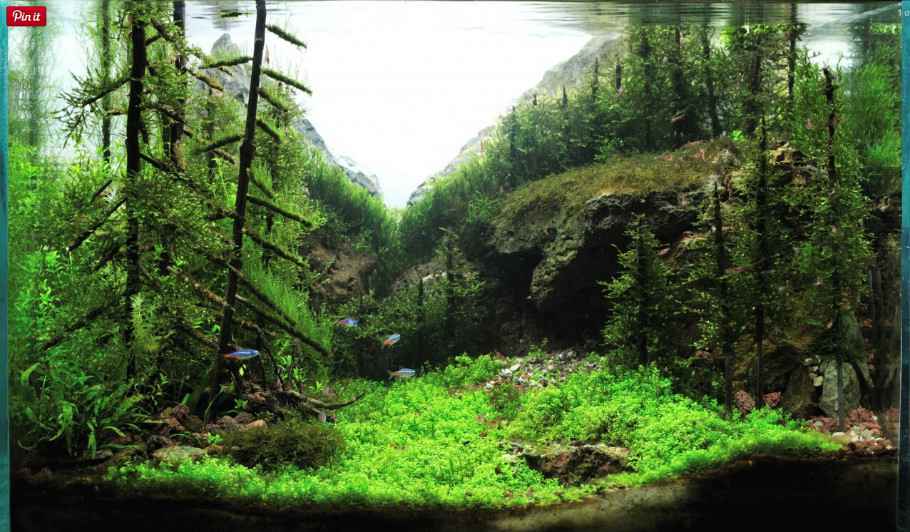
column 348, row 322
column 391, row 340
column 242, row 354
column 403, row 373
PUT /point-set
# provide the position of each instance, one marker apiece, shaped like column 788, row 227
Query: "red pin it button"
column 26, row 16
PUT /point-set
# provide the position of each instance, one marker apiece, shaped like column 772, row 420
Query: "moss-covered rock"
column 306, row 445
column 576, row 464
column 177, row 455
column 554, row 240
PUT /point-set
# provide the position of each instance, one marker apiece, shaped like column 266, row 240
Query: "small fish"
column 403, row 373
column 242, row 354
column 391, row 340
column 348, row 322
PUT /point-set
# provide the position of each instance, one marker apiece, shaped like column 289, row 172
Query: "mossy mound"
column 294, row 442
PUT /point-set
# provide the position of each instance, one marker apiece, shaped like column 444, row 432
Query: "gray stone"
column 177, row 454
column 577, row 463
column 798, row 397
column 851, row 391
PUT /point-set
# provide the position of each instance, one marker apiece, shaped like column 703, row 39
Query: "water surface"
column 399, row 87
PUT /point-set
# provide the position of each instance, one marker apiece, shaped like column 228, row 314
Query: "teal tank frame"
column 4, row 280
column 903, row 479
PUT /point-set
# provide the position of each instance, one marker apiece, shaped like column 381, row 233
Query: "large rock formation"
column 235, row 81
column 568, row 73
column 554, row 267
column 549, row 249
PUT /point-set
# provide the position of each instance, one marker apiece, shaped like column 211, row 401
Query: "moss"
column 305, row 445
column 565, row 193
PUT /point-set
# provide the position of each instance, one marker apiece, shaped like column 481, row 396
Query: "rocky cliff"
column 566, row 74
column 553, row 242
column 235, row 81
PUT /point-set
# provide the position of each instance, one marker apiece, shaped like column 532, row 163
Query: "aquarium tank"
column 455, row 266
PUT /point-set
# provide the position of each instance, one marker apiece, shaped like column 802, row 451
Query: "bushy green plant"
column 466, row 370
column 61, row 403
column 665, row 432
column 420, row 318
column 292, row 441
column 644, row 300
column 505, row 399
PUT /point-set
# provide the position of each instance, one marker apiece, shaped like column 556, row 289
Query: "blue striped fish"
column 242, row 354
column 403, row 373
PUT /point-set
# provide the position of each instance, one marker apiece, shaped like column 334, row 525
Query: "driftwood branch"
column 312, row 404
column 94, row 227
column 285, row 327
column 261, row 186
column 220, row 143
column 285, row 35
column 198, row 336
column 101, row 190
column 221, row 214
column 206, row 79
column 274, row 100
column 104, row 92
column 225, row 155
column 275, row 208
column 269, row 130
column 277, row 321
column 273, row 248
column 179, row 43
column 232, row 61
column 278, row 76
column 89, row 317
column 174, row 117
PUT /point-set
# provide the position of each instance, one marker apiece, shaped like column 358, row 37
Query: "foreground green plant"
column 438, row 440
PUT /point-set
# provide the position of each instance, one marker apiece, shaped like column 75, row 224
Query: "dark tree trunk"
column 709, row 83
column 877, row 301
column 247, row 151
column 421, row 316
column 175, row 129
column 105, row 80
column 762, row 262
column 792, row 35
column 644, row 51
column 595, row 81
column 753, row 103
column 133, row 169
column 726, row 336
column 210, row 133
column 173, row 138
column 513, row 149
column 450, row 291
column 618, row 80
column 682, row 122
column 641, row 282
column 836, row 283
